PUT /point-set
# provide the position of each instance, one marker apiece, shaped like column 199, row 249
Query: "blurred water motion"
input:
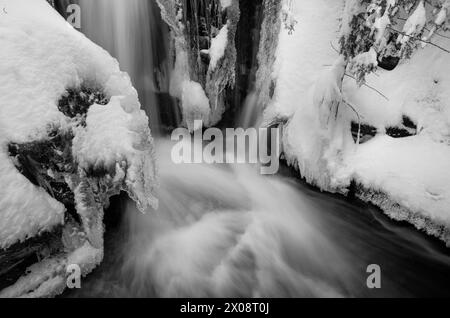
column 226, row 231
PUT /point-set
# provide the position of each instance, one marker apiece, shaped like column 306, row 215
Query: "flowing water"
column 133, row 32
column 225, row 230
column 228, row 231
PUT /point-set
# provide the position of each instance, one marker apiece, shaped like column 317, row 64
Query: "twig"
column 359, row 120
column 413, row 37
column 368, row 86
column 372, row 88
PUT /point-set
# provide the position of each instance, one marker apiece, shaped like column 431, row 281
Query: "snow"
column 380, row 25
column 218, row 46
column 85, row 257
column 442, row 14
column 106, row 136
column 441, row 17
column 194, row 102
column 412, row 172
column 25, row 210
column 114, row 136
column 351, row 8
column 225, row 3
column 195, row 105
column 41, row 56
column 48, row 277
column 415, row 24
column 302, row 54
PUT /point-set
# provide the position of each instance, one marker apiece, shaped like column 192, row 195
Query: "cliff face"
column 227, row 47
column 72, row 136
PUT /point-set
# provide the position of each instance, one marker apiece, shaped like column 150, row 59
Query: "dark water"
column 226, row 232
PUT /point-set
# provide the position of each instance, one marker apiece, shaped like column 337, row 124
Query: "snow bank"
column 409, row 177
column 113, row 135
column 195, row 105
column 41, row 57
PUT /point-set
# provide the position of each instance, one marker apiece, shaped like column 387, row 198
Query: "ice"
column 218, row 46
column 41, row 57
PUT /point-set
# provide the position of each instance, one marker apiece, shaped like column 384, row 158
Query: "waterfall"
column 132, row 32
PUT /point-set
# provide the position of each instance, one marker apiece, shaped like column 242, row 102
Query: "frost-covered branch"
column 368, row 35
column 419, row 39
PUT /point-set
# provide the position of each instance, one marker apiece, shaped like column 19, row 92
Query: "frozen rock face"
column 72, row 134
column 203, row 46
column 228, row 48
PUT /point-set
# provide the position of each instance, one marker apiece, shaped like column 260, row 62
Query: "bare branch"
column 359, row 120
column 368, row 86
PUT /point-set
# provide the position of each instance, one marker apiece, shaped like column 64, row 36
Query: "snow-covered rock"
column 206, row 56
column 407, row 177
column 41, row 57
